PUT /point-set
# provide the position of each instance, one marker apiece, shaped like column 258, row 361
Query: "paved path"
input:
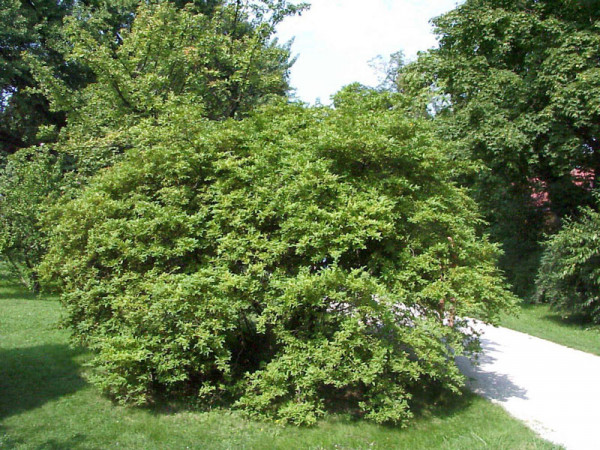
column 555, row 390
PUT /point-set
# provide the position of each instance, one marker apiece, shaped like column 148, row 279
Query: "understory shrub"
column 298, row 256
column 569, row 275
column 29, row 181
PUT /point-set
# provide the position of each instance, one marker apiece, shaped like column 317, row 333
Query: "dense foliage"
column 123, row 74
column 521, row 82
column 569, row 276
column 300, row 255
column 224, row 63
column 28, row 183
column 42, row 34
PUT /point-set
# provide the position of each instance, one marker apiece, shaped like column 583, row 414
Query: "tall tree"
column 33, row 33
column 523, row 83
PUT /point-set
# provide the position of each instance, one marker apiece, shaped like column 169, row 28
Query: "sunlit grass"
column 46, row 403
column 544, row 322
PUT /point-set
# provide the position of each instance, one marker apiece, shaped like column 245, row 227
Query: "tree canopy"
column 45, row 45
column 520, row 83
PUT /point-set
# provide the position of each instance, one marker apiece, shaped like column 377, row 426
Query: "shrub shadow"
column 12, row 292
column 572, row 321
column 77, row 441
column 490, row 384
column 32, row 376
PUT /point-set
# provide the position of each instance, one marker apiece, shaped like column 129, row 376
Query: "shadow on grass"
column 438, row 404
column 553, row 314
column 559, row 317
column 441, row 404
column 12, row 291
column 341, row 407
column 571, row 321
column 76, row 441
column 33, row 376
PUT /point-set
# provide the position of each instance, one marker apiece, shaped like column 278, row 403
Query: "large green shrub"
column 569, row 275
column 301, row 255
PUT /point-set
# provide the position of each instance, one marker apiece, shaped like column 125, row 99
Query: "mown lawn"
column 544, row 322
column 45, row 403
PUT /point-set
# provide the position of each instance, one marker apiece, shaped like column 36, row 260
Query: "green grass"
column 45, row 403
column 542, row 321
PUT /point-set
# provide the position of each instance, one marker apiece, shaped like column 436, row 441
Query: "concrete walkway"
column 555, row 390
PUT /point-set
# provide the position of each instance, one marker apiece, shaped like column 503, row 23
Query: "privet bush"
column 569, row 275
column 299, row 256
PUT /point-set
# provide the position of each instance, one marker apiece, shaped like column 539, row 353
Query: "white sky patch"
column 336, row 39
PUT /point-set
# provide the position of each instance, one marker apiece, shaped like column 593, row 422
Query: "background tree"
column 34, row 33
column 32, row 27
column 225, row 64
column 522, row 80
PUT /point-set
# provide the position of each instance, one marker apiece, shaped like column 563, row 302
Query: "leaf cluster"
column 29, row 183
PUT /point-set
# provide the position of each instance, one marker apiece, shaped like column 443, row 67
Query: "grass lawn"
column 45, row 403
column 546, row 323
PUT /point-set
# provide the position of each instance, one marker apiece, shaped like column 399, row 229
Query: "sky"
column 335, row 40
